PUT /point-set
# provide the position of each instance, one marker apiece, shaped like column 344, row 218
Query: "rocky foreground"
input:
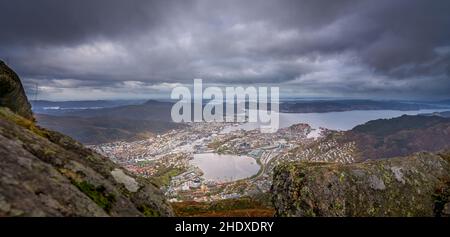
column 45, row 173
column 417, row 185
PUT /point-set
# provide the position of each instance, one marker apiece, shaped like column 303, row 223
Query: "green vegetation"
column 148, row 211
column 220, row 145
column 163, row 176
column 215, row 144
column 260, row 171
column 241, row 207
column 375, row 188
column 23, row 122
column 441, row 197
column 97, row 194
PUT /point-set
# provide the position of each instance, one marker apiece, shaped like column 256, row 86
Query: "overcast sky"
column 110, row 49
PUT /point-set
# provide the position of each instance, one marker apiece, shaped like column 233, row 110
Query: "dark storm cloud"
column 310, row 47
column 46, row 22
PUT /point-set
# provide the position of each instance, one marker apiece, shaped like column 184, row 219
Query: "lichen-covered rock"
column 12, row 94
column 417, row 185
column 44, row 173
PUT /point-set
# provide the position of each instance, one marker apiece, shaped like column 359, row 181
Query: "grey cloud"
column 47, row 22
column 330, row 47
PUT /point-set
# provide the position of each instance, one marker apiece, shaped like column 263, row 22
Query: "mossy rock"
column 98, row 194
column 416, row 185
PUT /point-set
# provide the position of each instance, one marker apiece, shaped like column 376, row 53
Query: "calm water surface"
column 225, row 168
column 333, row 120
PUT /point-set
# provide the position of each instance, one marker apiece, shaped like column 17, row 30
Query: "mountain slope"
column 401, row 136
column 45, row 173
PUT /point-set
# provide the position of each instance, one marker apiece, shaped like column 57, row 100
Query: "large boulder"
column 12, row 94
column 417, row 185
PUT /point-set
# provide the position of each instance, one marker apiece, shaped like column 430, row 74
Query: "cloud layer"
column 127, row 49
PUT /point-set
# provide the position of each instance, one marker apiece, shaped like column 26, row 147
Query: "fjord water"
column 225, row 168
column 345, row 120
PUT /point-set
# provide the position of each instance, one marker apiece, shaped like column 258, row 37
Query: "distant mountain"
column 62, row 107
column 136, row 121
column 445, row 114
column 446, row 102
column 385, row 127
column 149, row 110
column 401, row 136
column 102, row 125
column 96, row 130
column 322, row 106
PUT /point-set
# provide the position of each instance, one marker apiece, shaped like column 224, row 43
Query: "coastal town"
column 169, row 159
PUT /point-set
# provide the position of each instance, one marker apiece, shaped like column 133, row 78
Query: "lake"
column 225, row 168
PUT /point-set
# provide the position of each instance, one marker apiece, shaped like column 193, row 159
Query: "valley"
column 240, row 161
